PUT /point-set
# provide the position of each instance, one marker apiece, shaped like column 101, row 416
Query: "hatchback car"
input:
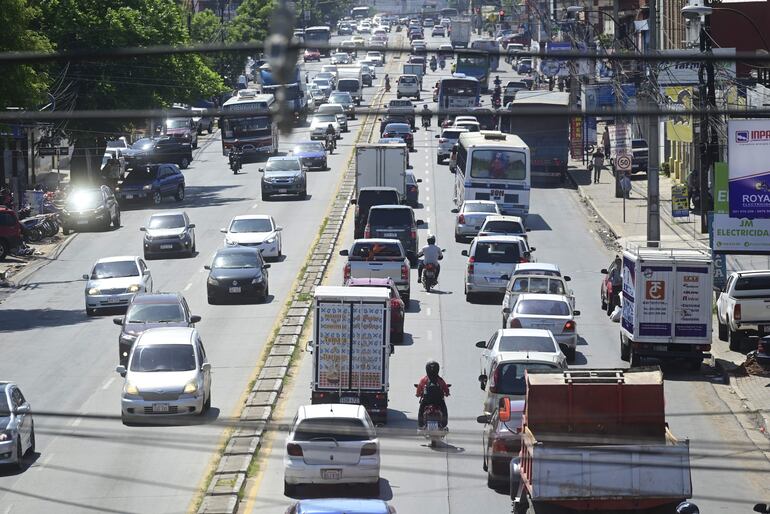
column 151, row 310
column 491, row 260
column 524, row 340
column 168, row 374
column 371, row 64
column 446, row 140
column 396, row 303
column 283, row 175
column 471, row 217
column 255, row 231
column 394, row 222
column 152, row 183
column 438, row 31
column 402, row 130
column 366, row 199
column 501, row 442
column 114, row 281
column 612, row 284
column 324, row 85
column 504, row 226
column 367, row 74
column 169, row 233
column 312, row 155
column 237, row 273
column 408, row 85
column 535, row 284
column 332, row 444
column 550, row 312
column 311, row 54
column 90, row 206
column 17, row 428
column 338, row 111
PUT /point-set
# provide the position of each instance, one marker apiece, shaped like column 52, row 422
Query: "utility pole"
column 653, row 179
column 707, row 136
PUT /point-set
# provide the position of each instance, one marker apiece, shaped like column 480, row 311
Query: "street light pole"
column 707, row 99
column 653, row 179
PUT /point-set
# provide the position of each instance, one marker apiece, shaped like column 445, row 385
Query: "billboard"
column 678, row 73
column 748, row 147
column 735, row 235
column 678, row 127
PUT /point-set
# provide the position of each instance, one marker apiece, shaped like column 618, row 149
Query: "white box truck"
column 351, row 347
column 666, row 304
column 461, row 33
column 382, row 165
column 350, row 79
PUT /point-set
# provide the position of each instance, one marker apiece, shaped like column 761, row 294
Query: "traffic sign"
column 623, row 162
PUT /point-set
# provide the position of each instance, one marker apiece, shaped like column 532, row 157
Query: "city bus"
column 488, row 45
column 457, row 92
column 255, row 132
column 318, row 37
column 493, row 166
column 449, row 12
column 475, row 65
column 359, row 12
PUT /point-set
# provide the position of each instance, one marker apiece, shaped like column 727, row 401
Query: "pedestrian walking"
column 606, row 140
column 598, row 164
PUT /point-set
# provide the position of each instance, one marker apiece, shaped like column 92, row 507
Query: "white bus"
column 255, row 132
column 493, row 166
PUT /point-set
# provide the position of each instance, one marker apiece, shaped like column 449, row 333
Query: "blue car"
column 152, row 183
column 340, row 506
column 312, row 154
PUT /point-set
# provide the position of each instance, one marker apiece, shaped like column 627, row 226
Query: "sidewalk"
column 751, row 390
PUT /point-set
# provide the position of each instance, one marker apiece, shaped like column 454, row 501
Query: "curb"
column 729, row 379
column 226, row 485
column 18, row 279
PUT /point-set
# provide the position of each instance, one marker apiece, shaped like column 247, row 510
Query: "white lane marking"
column 427, row 208
column 429, row 333
column 427, row 189
column 187, row 287
column 254, row 206
column 426, row 180
column 108, row 383
column 427, row 311
column 48, row 458
column 76, row 422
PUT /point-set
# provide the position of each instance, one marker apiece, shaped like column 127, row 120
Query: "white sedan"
column 518, row 340
column 332, row 444
column 320, row 123
column 549, row 312
column 114, row 281
column 257, row 231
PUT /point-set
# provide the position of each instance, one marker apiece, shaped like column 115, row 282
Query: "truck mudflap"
column 375, row 403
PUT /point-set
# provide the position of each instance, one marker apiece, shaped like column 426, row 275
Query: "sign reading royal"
column 748, row 149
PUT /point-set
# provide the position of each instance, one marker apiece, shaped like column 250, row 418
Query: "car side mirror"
column 344, row 253
column 22, row 409
column 527, row 255
column 121, row 370
column 761, row 507
column 207, row 267
column 483, row 419
column 481, row 344
column 261, row 170
column 223, row 230
column 118, row 321
column 419, row 222
column 352, row 201
column 419, row 180
column 567, row 278
column 483, row 382
column 455, row 211
column 265, row 266
column 278, row 229
column 142, row 229
column 206, row 366
column 195, row 319
column 576, row 313
column 464, row 253
column 85, row 277
column 528, row 230
column 191, row 225
column 437, row 136
column 507, row 310
column 603, row 271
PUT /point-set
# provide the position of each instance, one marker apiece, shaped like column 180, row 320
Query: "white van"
column 352, row 85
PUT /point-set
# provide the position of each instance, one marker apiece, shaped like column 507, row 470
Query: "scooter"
column 442, row 64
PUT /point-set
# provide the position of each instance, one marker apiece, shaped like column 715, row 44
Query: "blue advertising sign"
column 748, row 145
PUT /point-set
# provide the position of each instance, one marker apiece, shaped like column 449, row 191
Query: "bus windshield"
column 448, row 12
column 317, row 33
column 472, row 61
column 244, row 127
column 498, row 164
column 292, row 92
column 459, row 87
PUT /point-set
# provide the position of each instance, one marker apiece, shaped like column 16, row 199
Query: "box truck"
column 382, row 165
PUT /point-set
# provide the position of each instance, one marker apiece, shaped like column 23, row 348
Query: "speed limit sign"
column 623, row 162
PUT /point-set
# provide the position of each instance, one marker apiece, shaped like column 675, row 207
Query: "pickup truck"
column 378, row 258
column 743, row 307
column 402, row 108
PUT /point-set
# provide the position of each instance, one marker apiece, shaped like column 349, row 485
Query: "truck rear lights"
column 404, row 272
column 368, row 449
column 737, row 312
column 471, row 260
column 294, row 450
column 494, row 380
column 414, row 232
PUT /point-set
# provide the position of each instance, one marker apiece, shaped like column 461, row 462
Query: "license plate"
column 497, row 192
column 113, row 299
column 764, row 329
column 432, row 425
column 129, row 197
column 492, row 279
column 659, row 347
column 166, row 247
column 159, row 407
column 82, row 222
column 235, row 289
column 331, row 474
column 350, row 399
column 389, row 234
column 283, row 190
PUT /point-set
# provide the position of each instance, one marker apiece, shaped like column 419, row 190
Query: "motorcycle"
column 429, row 277
column 235, row 161
column 426, row 122
column 433, row 66
column 442, row 64
column 331, row 144
column 433, row 430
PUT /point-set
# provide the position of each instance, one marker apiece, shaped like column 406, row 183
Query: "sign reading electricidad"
column 748, row 149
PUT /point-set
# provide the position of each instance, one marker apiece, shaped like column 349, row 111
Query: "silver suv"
column 448, row 138
column 408, row 85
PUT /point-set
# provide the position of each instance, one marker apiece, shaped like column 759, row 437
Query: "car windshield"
column 511, row 376
column 752, row 283
column 283, row 165
column 167, row 221
column 525, row 344
column 321, row 82
column 541, row 285
column 504, row 227
column 369, row 197
column 332, row 429
column 452, row 134
column 325, row 118
column 116, row 144
column 235, row 261
column 379, row 218
column 373, row 251
column 155, row 313
column 308, row 147
column 490, row 253
column 340, row 98
column 141, row 144
column 177, row 123
column 638, row 143
column 397, row 128
column 140, row 175
column 81, row 200
column 250, row 225
column 480, row 207
column 543, row 307
column 5, row 408
column 115, row 269
column 163, row 357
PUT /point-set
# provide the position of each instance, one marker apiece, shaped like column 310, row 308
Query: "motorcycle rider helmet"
column 432, row 368
column 431, row 239
column 687, row 508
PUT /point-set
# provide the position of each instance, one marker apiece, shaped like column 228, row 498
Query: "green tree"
column 22, row 85
column 131, row 83
column 206, row 27
column 252, row 20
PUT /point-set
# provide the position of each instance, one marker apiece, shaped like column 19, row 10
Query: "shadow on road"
column 17, row 320
column 536, row 222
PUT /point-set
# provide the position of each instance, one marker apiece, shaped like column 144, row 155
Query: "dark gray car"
column 282, row 176
column 169, row 233
column 151, row 310
column 235, row 273
column 366, row 199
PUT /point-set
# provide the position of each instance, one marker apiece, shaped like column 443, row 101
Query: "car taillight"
column 609, row 287
column 442, row 140
column 515, row 323
column 499, row 446
column 461, row 219
column 346, row 272
column 495, row 380
column 471, row 260
column 404, row 272
column 368, row 449
column 368, row 231
column 737, row 312
column 294, row 450
column 523, row 259
column 414, row 232
column 569, row 326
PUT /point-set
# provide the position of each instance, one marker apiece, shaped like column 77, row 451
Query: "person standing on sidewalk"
column 606, row 140
column 598, row 164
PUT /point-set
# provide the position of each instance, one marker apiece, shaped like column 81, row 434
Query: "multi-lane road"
column 88, row 461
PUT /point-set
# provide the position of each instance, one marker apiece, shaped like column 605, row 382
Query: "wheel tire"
column 398, row 337
column 31, row 449
column 207, row 403
column 458, row 238
column 179, row 193
column 722, row 331
column 624, row 351
column 156, row 198
column 470, row 297
column 570, row 354
column 735, row 341
column 610, row 306
column 19, row 464
column 184, row 163
column 211, row 300
column 3, row 250
column 289, row 489
column 265, row 196
column 90, row 312
column 116, row 221
column 439, row 160
column 65, row 230
column 633, row 357
column 303, row 195
column 604, row 303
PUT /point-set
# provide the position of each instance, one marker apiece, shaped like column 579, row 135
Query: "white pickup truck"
column 379, row 258
column 743, row 307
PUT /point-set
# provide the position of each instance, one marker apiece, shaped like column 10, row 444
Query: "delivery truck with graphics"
column 666, row 301
column 351, row 347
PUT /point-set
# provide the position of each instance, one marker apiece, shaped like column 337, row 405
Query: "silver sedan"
column 17, row 429
column 114, row 281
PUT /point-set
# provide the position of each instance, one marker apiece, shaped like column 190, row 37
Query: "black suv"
column 394, row 222
column 157, row 150
column 92, row 206
column 367, row 198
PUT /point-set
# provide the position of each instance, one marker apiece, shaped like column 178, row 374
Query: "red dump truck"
column 597, row 440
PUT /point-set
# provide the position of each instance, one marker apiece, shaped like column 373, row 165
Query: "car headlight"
column 6, row 435
column 212, row 281
column 93, row 291
column 191, row 387
column 256, row 281
column 270, row 241
column 147, row 187
column 133, row 288
column 131, row 389
column 182, row 235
